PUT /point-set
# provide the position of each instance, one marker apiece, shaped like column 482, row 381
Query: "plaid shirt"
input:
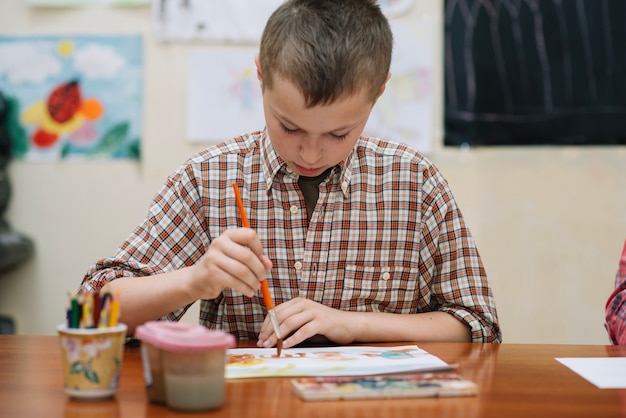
column 616, row 305
column 385, row 236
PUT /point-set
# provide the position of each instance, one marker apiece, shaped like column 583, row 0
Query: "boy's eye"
column 339, row 136
column 287, row 130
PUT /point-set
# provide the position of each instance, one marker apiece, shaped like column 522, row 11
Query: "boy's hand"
column 302, row 319
column 235, row 260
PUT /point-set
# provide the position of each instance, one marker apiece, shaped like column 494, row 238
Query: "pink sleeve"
column 616, row 305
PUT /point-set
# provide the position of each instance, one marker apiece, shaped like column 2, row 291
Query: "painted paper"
column 329, row 361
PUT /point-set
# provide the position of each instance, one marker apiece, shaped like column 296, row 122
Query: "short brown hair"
column 327, row 48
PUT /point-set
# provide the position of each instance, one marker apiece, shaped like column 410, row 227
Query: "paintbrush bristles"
column 279, row 347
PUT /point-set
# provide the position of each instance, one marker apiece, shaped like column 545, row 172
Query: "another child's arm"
column 616, row 305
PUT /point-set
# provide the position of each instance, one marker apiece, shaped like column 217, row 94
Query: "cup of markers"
column 92, row 346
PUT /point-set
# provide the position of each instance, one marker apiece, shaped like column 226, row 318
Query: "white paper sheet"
column 223, row 93
column 604, row 372
column 330, row 361
column 211, row 20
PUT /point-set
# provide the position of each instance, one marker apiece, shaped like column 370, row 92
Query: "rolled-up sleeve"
column 459, row 281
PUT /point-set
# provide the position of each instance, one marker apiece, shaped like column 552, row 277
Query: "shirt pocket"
column 392, row 289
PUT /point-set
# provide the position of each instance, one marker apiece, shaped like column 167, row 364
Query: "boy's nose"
column 310, row 151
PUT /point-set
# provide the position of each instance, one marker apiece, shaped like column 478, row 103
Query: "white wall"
column 549, row 222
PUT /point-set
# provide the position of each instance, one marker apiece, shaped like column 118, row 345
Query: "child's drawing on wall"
column 74, row 96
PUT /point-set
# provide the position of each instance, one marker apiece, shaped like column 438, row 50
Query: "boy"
column 360, row 239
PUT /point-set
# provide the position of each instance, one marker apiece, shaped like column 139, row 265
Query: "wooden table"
column 515, row 380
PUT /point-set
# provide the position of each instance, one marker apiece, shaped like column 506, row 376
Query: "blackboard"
column 535, row 72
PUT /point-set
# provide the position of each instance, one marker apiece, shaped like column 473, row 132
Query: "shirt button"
column 298, row 265
column 386, row 275
column 344, row 184
column 289, row 170
column 293, row 209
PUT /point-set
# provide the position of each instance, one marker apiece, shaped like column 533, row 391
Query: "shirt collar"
column 271, row 162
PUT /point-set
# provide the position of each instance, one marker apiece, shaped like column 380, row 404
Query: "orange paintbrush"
column 269, row 303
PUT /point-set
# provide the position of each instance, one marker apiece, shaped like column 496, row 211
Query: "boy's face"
column 315, row 139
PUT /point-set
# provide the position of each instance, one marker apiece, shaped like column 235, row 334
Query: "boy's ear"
column 382, row 88
column 257, row 62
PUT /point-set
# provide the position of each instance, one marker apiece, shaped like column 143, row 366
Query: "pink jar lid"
column 181, row 336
